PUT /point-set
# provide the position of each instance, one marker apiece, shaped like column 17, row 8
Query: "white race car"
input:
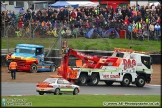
column 57, row 86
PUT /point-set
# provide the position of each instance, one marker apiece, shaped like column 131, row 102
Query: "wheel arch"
column 83, row 72
column 128, row 74
column 97, row 73
column 141, row 73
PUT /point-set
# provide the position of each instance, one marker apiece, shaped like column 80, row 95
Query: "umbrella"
column 60, row 4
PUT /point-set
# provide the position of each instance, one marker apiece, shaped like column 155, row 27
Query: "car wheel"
column 94, row 79
column 126, row 81
column 109, row 83
column 53, row 68
column 41, row 93
column 57, row 91
column 33, row 68
column 140, row 81
column 82, row 79
column 76, row 91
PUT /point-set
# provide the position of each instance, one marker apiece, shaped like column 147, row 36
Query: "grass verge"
column 87, row 100
column 90, row 44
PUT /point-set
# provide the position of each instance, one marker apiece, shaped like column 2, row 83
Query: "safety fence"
column 36, row 30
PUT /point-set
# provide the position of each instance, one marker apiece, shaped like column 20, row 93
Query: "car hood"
column 75, row 85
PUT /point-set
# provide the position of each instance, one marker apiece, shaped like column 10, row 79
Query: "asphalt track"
column 29, row 89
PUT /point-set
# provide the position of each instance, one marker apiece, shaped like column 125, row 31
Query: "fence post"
column 125, row 33
column 148, row 31
column 7, row 37
column 60, row 40
column 131, row 32
column 34, row 32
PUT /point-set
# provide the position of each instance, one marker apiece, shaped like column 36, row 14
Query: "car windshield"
column 27, row 51
column 50, row 80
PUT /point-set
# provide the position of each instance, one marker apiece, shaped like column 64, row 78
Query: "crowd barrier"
column 37, row 31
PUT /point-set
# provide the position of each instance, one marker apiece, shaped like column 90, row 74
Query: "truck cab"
column 30, row 57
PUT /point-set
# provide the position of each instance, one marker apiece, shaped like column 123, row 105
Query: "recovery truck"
column 125, row 66
column 30, row 57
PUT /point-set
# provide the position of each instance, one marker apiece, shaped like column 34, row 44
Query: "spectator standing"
column 151, row 28
column 8, row 57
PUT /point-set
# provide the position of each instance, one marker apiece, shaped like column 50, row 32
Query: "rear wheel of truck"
column 82, row 79
column 53, row 68
column 126, row 81
column 33, row 68
column 140, row 81
column 109, row 83
column 94, row 79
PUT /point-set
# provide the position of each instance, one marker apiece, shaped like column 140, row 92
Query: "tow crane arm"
column 66, row 52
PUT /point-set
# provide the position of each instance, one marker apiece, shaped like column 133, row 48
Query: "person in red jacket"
column 73, row 15
column 126, row 21
column 20, row 24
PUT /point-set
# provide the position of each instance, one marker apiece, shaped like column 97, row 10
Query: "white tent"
column 84, row 3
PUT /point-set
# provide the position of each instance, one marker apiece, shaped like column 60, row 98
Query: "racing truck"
column 124, row 66
column 30, row 57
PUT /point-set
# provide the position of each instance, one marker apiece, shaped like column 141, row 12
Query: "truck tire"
column 94, row 79
column 126, row 81
column 53, row 68
column 109, row 83
column 140, row 81
column 33, row 68
column 82, row 79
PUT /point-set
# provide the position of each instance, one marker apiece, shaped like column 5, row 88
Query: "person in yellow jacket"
column 8, row 57
column 13, row 67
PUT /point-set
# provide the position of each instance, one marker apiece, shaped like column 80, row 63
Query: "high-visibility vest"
column 96, row 11
column 13, row 65
column 7, row 57
column 147, row 20
column 138, row 26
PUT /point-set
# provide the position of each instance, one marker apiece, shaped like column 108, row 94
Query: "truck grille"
column 20, row 62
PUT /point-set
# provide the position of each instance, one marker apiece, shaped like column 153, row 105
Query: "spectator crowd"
column 140, row 18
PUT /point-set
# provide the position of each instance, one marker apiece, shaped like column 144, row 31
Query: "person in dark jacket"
column 129, row 13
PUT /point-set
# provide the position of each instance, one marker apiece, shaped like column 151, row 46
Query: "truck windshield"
column 146, row 61
column 27, row 51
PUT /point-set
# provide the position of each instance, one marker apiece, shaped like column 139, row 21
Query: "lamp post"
column 5, row 4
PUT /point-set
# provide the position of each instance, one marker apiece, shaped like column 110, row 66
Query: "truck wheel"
column 53, row 68
column 109, row 83
column 126, row 81
column 57, row 91
column 82, row 79
column 75, row 92
column 94, row 79
column 33, row 68
column 41, row 93
column 140, row 81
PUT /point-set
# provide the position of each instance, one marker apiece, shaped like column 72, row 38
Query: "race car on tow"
column 57, row 85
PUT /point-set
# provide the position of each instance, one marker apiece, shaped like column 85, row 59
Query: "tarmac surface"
column 9, row 89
